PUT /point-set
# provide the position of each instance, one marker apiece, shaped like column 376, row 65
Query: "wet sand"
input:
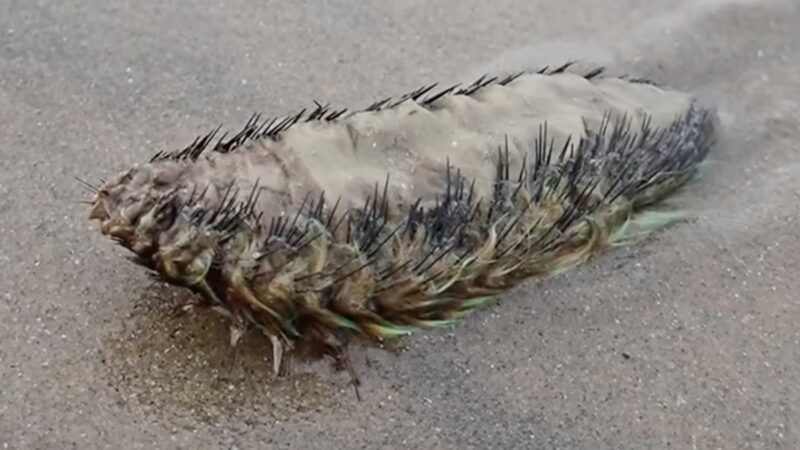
column 688, row 340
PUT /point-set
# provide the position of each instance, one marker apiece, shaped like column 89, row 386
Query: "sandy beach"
column 690, row 340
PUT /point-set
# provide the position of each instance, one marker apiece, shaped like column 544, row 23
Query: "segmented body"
column 322, row 226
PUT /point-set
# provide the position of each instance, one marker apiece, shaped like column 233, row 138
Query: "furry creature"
column 327, row 225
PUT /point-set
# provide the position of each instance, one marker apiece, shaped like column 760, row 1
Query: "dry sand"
column 690, row 340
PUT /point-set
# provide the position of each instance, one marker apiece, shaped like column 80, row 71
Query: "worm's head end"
column 135, row 205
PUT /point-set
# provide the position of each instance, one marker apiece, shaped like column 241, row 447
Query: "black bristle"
column 88, row 186
column 562, row 68
column 594, row 73
column 511, row 78
column 377, row 106
column 428, row 101
column 335, row 115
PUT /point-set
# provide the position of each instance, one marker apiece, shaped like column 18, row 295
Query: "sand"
column 688, row 340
